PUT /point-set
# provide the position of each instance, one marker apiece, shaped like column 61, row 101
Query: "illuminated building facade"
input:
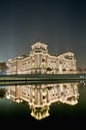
column 40, row 97
column 40, row 61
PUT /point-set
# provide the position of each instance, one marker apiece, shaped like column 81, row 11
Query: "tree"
column 3, row 66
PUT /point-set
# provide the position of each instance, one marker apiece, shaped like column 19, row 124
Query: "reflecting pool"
column 43, row 105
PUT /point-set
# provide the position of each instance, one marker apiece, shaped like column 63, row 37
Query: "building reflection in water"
column 39, row 97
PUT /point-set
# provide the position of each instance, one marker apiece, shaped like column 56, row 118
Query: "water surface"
column 43, row 106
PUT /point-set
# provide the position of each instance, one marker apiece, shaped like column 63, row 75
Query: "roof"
column 39, row 44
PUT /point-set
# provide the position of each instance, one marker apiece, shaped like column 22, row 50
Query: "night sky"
column 61, row 24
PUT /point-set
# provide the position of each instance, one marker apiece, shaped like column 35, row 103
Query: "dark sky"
column 61, row 24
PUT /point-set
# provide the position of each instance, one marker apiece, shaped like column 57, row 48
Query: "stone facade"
column 41, row 62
